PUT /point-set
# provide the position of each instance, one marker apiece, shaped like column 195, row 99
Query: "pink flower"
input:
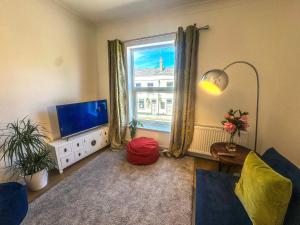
column 229, row 127
column 244, row 118
column 226, row 116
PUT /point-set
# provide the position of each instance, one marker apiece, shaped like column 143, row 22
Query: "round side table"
column 237, row 159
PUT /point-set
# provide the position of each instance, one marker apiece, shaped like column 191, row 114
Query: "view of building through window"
column 153, row 84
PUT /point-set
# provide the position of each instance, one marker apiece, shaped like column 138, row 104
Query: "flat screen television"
column 78, row 117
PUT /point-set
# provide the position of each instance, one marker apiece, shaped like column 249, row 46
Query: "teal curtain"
column 185, row 90
column 118, row 94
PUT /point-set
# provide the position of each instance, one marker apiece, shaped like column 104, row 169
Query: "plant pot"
column 37, row 181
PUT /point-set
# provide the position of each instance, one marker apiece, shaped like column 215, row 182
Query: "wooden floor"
column 206, row 164
column 55, row 177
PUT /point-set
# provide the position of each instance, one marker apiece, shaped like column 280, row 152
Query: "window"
column 169, row 84
column 169, row 101
column 151, row 69
column 169, row 109
column 141, row 103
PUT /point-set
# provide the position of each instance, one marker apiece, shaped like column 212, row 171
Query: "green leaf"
column 24, row 148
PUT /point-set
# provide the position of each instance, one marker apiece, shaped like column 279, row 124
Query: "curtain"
column 118, row 94
column 185, row 90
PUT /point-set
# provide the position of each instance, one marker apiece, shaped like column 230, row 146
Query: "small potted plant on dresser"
column 25, row 152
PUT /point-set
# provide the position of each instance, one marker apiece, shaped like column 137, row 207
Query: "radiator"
column 205, row 136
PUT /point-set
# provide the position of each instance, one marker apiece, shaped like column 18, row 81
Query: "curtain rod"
column 206, row 27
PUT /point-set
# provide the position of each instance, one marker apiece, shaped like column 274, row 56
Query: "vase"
column 231, row 146
column 37, row 181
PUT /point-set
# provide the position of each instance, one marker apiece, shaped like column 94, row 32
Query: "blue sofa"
column 13, row 203
column 217, row 204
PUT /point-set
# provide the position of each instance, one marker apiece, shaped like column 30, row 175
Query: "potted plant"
column 133, row 125
column 25, row 152
column 235, row 122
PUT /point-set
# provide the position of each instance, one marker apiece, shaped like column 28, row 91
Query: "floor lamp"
column 215, row 81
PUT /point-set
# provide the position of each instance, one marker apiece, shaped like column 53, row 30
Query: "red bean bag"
column 142, row 151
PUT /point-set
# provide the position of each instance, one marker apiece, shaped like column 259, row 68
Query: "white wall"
column 263, row 32
column 47, row 57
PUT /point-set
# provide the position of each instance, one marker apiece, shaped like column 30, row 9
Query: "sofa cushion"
column 264, row 193
column 216, row 203
column 13, row 203
column 283, row 166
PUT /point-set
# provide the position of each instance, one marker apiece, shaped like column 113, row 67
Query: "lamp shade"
column 214, row 81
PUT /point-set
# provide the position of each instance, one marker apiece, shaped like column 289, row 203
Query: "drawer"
column 79, row 154
column 105, row 131
column 94, row 142
column 65, row 150
column 104, row 136
column 77, row 144
column 88, row 151
column 67, row 160
column 104, row 142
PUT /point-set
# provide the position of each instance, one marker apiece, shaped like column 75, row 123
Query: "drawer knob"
column 65, row 150
column 93, row 143
column 67, row 160
column 77, row 144
column 79, row 154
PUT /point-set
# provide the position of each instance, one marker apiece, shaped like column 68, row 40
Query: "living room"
column 56, row 55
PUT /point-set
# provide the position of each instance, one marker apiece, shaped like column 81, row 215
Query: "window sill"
column 155, row 129
column 155, row 126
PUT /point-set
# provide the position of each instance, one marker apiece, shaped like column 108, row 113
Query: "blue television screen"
column 75, row 118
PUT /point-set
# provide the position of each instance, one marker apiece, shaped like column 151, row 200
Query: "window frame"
column 133, row 90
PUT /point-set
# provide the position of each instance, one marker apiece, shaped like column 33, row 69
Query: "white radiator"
column 205, row 136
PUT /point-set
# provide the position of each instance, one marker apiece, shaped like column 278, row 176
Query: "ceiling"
column 105, row 10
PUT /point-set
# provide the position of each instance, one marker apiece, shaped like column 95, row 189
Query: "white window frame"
column 132, row 90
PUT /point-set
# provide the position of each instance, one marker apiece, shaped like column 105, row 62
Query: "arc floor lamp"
column 215, row 82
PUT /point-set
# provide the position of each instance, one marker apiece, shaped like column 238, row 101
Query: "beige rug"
column 110, row 191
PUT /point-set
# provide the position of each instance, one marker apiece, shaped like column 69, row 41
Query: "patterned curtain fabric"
column 118, row 94
column 185, row 90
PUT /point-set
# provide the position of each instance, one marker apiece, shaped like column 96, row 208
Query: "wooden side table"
column 237, row 160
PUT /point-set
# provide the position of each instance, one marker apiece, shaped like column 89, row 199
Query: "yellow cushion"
column 264, row 193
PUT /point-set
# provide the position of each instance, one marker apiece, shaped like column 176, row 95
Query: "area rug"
column 110, row 191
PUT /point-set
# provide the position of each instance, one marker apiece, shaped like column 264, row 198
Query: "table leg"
column 220, row 167
column 228, row 169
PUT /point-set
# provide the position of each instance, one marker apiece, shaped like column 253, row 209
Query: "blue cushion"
column 13, row 203
column 216, row 203
column 284, row 167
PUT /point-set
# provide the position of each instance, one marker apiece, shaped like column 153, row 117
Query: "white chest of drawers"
column 68, row 151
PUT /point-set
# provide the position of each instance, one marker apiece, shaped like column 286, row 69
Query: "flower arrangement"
column 235, row 122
